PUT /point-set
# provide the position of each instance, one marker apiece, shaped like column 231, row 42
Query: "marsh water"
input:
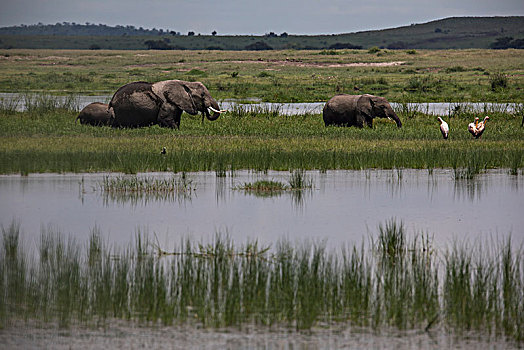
column 341, row 207
column 19, row 100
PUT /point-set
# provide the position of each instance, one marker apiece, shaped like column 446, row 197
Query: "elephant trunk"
column 214, row 116
column 216, row 113
column 395, row 117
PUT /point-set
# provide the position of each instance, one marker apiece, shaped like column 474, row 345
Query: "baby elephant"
column 96, row 114
column 357, row 110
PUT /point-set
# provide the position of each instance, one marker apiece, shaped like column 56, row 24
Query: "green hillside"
column 449, row 33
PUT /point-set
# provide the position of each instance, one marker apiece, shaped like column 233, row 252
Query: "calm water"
column 436, row 108
column 343, row 207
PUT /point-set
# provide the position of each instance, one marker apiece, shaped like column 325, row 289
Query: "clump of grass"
column 263, row 74
column 265, row 186
column 197, row 72
column 498, row 81
column 299, row 180
column 45, row 103
column 144, row 184
column 220, row 284
column 423, row 84
column 9, row 105
column 134, row 188
column 473, row 167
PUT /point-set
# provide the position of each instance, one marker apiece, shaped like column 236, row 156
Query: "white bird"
column 444, row 128
column 472, row 127
column 481, row 127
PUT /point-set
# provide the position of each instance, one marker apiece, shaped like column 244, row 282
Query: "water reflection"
column 469, row 189
column 143, row 199
column 340, row 206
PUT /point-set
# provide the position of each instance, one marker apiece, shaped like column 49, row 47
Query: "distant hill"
column 449, row 33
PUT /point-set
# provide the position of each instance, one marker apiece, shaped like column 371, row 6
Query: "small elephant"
column 96, row 113
column 357, row 110
column 143, row 104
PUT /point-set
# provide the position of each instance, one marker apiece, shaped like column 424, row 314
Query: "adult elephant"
column 357, row 110
column 96, row 113
column 144, row 104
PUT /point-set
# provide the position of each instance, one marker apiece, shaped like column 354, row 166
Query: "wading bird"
column 444, row 128
column 481, row 127
column 472, row 127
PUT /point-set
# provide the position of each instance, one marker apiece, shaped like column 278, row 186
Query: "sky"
column 251, row 17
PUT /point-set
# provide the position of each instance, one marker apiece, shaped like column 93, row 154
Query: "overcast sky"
column 251, row 16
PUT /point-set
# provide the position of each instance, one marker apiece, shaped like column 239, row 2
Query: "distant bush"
column 263, row 74
column 374, row 49
column 94, row 47
column 258, row 46
column 341, row 46
column 196, row 72
column 423, row 84
column 411, row 52
column 397, row 45
column 498, row 81
column 329, row 52
column 455, row 69
column 157, row 45
column 507, row 43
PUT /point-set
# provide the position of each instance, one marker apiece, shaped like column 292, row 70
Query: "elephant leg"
column 369, row 122
column 169, row 116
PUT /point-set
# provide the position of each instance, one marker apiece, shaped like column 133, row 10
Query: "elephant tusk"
column 217, row 111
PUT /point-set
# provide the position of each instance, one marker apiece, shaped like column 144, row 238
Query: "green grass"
column 297, row 181
column 135, row 189
column 50, row 141
column 398, row 281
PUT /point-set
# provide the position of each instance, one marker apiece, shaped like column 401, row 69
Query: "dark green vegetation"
column 297, row 181
column 449, row 33
column 48, row 140
column 394, row 281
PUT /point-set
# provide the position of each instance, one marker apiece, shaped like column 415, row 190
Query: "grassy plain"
column 276, row 76
column 45, row 138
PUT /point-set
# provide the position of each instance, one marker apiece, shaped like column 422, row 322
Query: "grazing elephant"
column 143, row 104
column 96, row 113
column 357, row 110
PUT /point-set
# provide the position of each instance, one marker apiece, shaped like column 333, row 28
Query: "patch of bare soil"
column 323, row 65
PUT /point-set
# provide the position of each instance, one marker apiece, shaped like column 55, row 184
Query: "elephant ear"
column 177, row 93
column 365, row 105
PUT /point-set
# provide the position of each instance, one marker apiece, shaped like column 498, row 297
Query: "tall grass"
column 137, row 188
column 398, row 281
